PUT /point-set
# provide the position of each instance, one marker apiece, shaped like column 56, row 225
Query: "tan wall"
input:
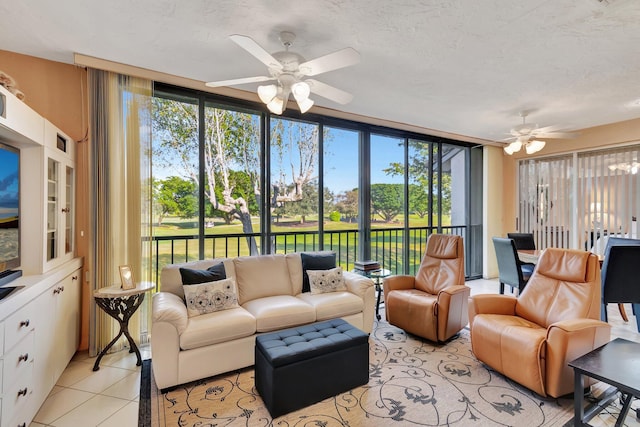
column 57, row 92
column 54, row 90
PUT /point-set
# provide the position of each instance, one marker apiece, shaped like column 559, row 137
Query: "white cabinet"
column 50, row 207
column 17, row 384
column 40, row 338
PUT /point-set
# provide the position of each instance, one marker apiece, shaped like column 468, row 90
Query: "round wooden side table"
column 121, row 304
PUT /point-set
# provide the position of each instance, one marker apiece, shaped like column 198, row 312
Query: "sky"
column 9, row 201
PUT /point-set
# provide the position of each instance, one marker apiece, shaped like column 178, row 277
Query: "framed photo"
column 126, row 277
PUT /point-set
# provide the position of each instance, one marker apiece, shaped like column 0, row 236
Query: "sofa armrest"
column 491, row 304
column 170, row 308
column 566, row 341
column 357, row 284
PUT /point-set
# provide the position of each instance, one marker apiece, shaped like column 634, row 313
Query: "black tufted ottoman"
column 300, row 366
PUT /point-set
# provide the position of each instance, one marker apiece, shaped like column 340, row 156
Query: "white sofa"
column 270, row 296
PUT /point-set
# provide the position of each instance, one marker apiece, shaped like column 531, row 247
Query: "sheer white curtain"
column 545, row 200
column 580, row 210
column 120, row 114
column 610, row 184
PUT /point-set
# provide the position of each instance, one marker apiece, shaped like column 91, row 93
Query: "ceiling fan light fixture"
column 277, row 105
column 534, row 146
column 304, row 105
column 508, row 149
column 267, row 93
column 301, row 91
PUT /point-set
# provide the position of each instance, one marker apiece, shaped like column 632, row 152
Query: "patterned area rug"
column 412, row 383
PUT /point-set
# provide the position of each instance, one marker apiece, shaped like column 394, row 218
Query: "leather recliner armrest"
column 170, row 308
column 491, row 304
column 566, row 341
column 400, row 281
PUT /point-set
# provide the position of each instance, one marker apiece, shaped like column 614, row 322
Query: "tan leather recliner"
column 531, row 338
column 433, row 304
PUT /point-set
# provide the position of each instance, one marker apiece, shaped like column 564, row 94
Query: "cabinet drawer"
column 17, row 326
column 16, row 398
column 18, row 361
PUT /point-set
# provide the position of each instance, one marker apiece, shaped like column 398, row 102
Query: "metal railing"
column 387, row 246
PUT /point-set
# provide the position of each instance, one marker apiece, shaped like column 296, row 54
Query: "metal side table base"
column 121, row 304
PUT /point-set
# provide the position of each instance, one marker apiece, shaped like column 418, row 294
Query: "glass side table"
column 121, row 304
column 378, row 277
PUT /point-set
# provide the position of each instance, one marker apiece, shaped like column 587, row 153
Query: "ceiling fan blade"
column 555, row 134
column 329, row 92
column 248, row 44
column 332, row 61
column 234, row 82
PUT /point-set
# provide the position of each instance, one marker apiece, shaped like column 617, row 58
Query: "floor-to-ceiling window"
column 295, row 199
column 231, row 179
column 387, row 200
column 340, row 174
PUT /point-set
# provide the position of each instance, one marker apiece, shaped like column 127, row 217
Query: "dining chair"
column 619, row 272
column 510, row 268
column 523, row 241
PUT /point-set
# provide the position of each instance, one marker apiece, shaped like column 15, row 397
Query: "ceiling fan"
column 529, row 134
column 290, row 70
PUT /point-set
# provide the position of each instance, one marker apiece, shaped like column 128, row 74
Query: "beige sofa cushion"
column 294, row 262
column 331, row 305
column 261, row 276
column 279, row 312
column 220, row 326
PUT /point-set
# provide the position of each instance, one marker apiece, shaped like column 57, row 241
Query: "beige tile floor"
column 109, row 397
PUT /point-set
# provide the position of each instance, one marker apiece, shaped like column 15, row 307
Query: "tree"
column 419, row 175
column 232, row 144
column 231, row 139
column 307, row 205
column 347, row 204
column 386, row 200
column 294, row 150
column 418, row 200
column 175, row 196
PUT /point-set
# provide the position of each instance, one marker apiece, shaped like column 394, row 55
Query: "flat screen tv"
column 9, row 209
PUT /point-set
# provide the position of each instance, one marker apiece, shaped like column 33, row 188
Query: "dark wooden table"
column 616, row 363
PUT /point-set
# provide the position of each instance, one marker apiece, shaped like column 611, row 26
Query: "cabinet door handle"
column 22, row 392
column 65, row 210
column 22, row 425
column 23, row 357
column 56, row 291
column 24, row 323
column 74, row 278
column 62, row 288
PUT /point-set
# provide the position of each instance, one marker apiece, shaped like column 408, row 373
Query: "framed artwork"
column 126, row 277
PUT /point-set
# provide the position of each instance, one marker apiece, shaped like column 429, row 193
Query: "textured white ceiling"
column 461, row 66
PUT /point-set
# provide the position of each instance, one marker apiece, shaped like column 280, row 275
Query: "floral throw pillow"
column 322, row 281
column 211, row 296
